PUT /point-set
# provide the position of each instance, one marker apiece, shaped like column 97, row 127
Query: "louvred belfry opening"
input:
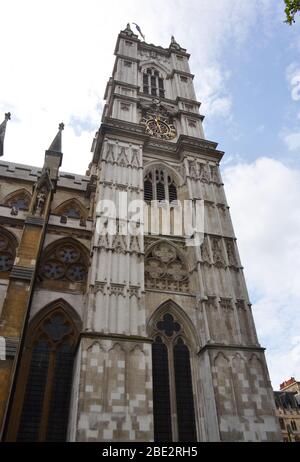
column 160, row 186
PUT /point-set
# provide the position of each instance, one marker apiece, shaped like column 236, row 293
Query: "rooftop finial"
column 174, row 44
column 128, row 31
column 56, row 143
column 2, row 132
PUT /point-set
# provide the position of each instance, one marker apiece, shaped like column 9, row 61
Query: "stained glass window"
column 172, row 384
column 45, row 410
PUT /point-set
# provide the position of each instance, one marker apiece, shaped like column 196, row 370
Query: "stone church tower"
column 113, row 335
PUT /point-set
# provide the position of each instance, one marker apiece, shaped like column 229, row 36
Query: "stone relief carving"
column 155, row 56
column 135, row 244
column 117, row 289
column 119, row 244
column 39, row 205
column 193, row 170
column 135, row 162
column 205, row 253
column 214, row 174
column 232, row 260
column 110, row 154
column 226, row 304
column 165, row 270
column 122, row 158
column 204, row 173
column 100, row 287
column 133, row 291
column 211, row 302
column 217, row 251
column 240, row 304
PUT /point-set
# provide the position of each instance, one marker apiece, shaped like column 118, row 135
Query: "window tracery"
column 47, row 377
column 172, row 383
column 65, row 261
column 165, row 269
column 71, row 209
column 20, row 200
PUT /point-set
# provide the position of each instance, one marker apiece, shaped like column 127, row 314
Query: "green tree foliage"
column 291, row 8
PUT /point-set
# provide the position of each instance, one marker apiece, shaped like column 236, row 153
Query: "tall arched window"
column 173, row 402
column 8, row 246
column 42, row 399
column 159, row 185
column 153, row 83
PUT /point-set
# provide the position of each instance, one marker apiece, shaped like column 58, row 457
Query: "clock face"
column 159, row 127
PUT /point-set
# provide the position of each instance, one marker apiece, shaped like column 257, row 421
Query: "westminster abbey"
column 137, row 336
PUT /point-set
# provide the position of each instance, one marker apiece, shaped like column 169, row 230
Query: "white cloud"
column 290, row 136
column 57, row 56
column 212, row 88
column 293, row 78
column 264, row 199
column 292, row 141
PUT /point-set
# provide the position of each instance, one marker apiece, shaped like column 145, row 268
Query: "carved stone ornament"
column 40, row 202
column 133, row 291
column 218, row 255
column 117, row 289
column 205, row 253
column 165, row 269
column 100, row 287
column 232, row 260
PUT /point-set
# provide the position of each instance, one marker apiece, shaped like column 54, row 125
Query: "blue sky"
column 57, row 56
column 262, row 106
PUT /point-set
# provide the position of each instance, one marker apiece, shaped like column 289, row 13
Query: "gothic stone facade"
column 128, row 338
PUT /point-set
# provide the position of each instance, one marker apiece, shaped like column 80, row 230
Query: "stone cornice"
column 120, row 337
column 162, row 51
column 123, row 97
column 124, row 84
column 191, row 115
column 127, row 58
column 183, row 73
column 184, row 143
column 143, row 46
column 187, row 100
column 221, row 347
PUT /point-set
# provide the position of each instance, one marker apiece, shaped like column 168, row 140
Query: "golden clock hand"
column 159, row 127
